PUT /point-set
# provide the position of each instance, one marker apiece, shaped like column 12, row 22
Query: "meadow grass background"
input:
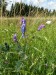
column 33, row 55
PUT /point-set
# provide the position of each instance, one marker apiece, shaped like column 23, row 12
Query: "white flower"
column 48, row 22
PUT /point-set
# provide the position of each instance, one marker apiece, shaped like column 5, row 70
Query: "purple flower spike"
column 15, row 38
column 41, row 26
column 23, row 27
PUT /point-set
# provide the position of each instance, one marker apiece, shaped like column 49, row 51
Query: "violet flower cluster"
column 15, row 38
column 41, row 26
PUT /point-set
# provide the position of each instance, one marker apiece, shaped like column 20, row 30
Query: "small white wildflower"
column 48, row 22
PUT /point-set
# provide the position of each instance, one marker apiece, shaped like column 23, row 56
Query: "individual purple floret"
column 15, row 38
column 23, row 21
column 41, row 26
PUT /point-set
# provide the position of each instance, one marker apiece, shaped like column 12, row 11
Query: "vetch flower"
column 15, row 38
column 23, row 27
column 23, row 21
column 41, row 26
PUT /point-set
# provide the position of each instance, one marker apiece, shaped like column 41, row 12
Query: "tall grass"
column 33, row 55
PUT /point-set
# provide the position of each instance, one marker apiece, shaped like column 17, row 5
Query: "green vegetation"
column 33, row 55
